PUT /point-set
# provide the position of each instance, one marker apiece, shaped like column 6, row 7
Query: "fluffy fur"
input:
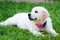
column 23, row 22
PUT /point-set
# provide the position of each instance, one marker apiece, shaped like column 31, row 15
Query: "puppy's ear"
column 45, row 14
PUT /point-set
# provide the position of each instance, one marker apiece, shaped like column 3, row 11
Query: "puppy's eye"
column 36, row 11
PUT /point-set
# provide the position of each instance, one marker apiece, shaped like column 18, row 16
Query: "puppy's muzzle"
column 29, row 15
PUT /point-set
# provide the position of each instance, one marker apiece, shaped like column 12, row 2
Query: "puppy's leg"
column 33, row 29
column 35, row 32
column 49, row 27
column 6, row 22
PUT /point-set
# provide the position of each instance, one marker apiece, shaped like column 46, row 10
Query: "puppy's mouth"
column 29, row 15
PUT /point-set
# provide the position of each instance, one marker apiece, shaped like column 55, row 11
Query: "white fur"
column 23, row 22
column 49, row 27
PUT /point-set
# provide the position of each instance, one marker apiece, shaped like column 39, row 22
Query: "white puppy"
column 34, row 21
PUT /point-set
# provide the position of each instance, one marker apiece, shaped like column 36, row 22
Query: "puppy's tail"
column 6, row 22
column 3, row 23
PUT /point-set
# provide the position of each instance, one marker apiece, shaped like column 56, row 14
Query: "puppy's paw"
column 38, row 34
column 56, row 34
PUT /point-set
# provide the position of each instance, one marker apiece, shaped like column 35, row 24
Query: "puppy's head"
column 38, row 13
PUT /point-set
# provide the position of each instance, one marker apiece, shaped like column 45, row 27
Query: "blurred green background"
column 8, row 9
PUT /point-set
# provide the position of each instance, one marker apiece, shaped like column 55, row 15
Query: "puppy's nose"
column 29, row 14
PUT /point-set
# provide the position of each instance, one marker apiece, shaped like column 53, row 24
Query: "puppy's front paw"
column 56, row 34
column 38, row 34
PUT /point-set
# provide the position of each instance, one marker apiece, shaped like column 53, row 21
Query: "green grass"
column 14, row 33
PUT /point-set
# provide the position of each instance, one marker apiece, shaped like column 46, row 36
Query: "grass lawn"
column 14, row 33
